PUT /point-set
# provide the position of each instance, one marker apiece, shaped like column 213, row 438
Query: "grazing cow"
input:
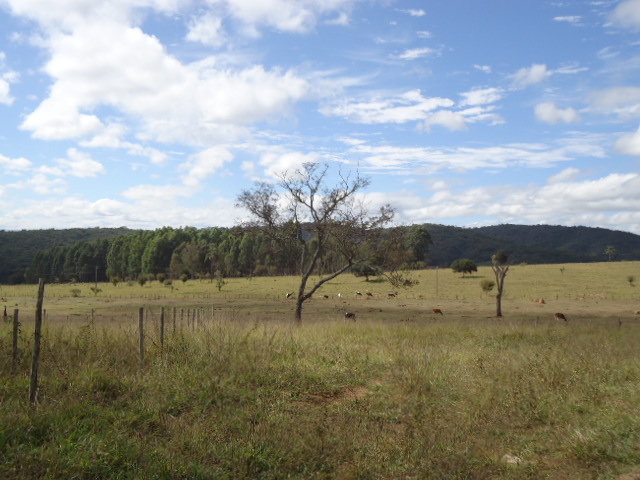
column 392, row 294
column 350, row 315
column 369, row 294
column 339, row 295
column 290, row 294
column 325, row 296
column 637, row 312
column 437, row 311
column 560, row 316
column 359, row 294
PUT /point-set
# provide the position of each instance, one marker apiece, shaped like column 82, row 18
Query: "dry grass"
column 399, row 393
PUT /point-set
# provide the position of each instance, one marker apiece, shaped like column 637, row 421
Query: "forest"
column 101, row 254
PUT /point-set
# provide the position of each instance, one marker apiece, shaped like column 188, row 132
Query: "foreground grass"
column 237, row 399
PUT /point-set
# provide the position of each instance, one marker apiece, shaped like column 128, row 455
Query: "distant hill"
column 532, row 244
column 18, row 248
column 525, row 244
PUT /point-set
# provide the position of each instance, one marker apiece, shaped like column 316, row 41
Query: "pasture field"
column 400, row 393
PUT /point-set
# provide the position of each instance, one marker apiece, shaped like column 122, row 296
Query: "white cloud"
column 14, row 165
column 627, row 14
column 532, row 75
column 414, row 12
column 284, row 15
column 629, row 144
column 77, row 164
column 568, row 202
column 447, row 119
column 207, row 29
column 550, row 113
column 5, row 92
column 424, row 34
column 481, row 96
column 427, row 160
column 415, row 53
column 277, row 161
column 42, row 184
column 622, row 101
column 566, row 175
column 483, row 68
column 121, row 67
column 572, row 19
column 157, row 195
column 204, row 164
column 341, row 20
column 407, row 107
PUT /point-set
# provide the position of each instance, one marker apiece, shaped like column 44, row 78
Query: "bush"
column 487, row 285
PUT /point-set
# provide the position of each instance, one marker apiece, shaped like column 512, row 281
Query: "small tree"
column 303, row 208
column 464, row 266
column 220, row 281
column 611, row 252
column 500, row 269
column 365, row 270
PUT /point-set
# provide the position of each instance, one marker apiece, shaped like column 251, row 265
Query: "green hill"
column 533, row 244
column 525, row 244
column 18, row 248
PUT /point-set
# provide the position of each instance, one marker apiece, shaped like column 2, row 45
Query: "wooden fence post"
column 161, row 328
column 35, row 365
column 141, row 331
column 174, row 320
column 16, row 332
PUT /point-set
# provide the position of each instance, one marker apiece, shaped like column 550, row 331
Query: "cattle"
column 290, row 294
column 560, row 316
column 358, row 294
column 339, row 295
column 369, row 294
column 325, row 296
column 392, row 295
column 350, row 315
column 637, row 312
column 437, row 311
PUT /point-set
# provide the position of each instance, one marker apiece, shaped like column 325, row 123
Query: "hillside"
column 18, row 248
column 536, row 244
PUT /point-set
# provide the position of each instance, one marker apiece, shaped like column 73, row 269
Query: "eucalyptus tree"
column 302, row 207
column 500, row 267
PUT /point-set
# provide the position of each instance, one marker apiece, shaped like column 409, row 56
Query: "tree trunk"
column 298, row 314
column 499, row 304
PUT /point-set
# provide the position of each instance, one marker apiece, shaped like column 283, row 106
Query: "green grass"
column 400, row 393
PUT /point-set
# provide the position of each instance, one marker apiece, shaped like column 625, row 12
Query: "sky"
column 152, row 113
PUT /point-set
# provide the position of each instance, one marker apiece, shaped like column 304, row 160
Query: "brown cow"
column 560, row 316
column 437, row 311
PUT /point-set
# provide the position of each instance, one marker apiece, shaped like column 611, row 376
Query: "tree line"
column 188, row 253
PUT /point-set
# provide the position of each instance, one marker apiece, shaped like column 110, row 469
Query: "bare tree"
column 500, row 269
column 315, row 222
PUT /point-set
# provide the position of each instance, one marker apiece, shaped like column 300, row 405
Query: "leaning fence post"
column 141, row 330
column 16, row 332
column 35, row 365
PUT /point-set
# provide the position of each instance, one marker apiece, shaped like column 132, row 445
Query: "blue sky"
column 150, row 113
